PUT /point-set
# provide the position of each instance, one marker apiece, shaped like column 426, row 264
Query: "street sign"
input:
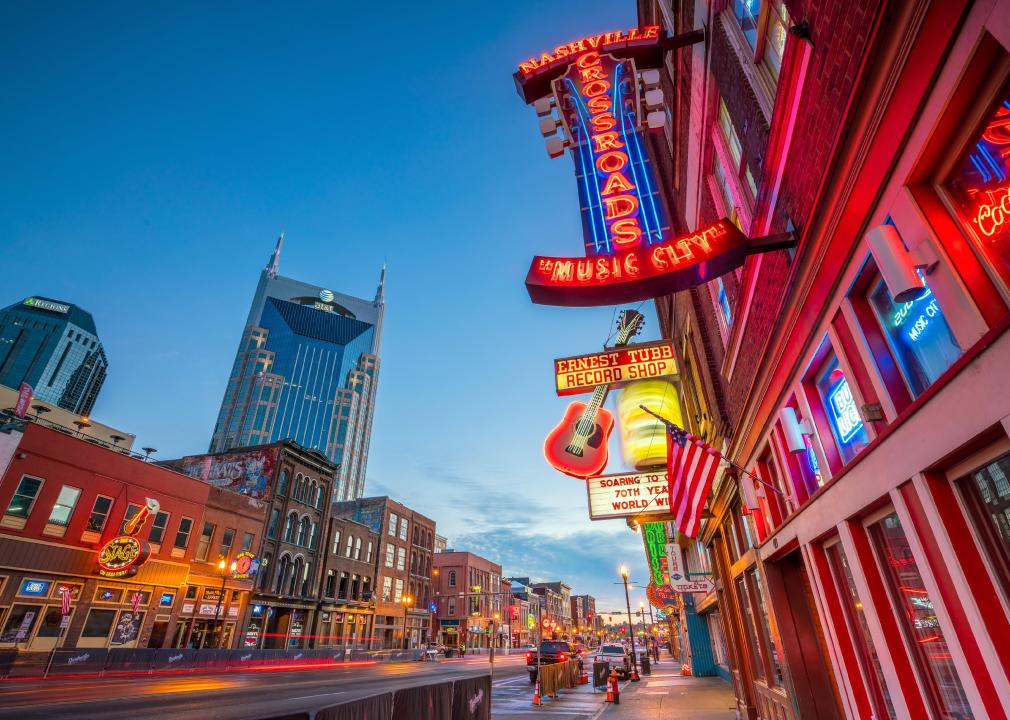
column 703, row 585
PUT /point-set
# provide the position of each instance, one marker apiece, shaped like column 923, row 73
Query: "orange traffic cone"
column 536, row 693
column 685, row 669
column 634, row 675
column 614, row 690
column 583, row 676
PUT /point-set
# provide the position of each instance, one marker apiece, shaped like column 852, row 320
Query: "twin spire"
column 274, row 265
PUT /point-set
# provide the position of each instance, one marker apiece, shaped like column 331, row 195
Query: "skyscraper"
column 54, row 347
column 306, row 370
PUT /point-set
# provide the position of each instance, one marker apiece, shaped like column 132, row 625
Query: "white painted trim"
column 866, row 359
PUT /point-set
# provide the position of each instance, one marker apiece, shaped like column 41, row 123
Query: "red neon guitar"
column 578, row 445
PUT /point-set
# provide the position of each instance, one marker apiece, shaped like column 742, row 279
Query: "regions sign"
column 246, row 472
column 574, row 375
column 624, row 495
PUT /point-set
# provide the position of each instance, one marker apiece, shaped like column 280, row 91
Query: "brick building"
column 402, row 569
column 858, row 375
column 558, row 597
column 468, row 597
column 346, row 617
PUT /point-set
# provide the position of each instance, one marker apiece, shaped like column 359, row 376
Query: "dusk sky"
column 153, row 152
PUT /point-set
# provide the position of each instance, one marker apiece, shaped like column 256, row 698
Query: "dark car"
column 551, row 651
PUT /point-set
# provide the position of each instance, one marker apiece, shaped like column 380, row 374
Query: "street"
column 235, row 696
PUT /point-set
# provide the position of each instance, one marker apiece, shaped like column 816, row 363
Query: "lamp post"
column 407, row 601
column 631, row 632
column 494, row 620
column 221, row 565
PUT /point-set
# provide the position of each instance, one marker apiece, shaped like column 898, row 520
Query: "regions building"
column 52, row 346
column 862, row 374
column 306, row 369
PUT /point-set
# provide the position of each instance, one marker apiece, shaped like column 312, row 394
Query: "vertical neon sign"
column 844, row 411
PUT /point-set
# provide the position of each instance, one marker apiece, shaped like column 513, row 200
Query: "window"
column 313, row 533
column 17, row 617
column 303, row 531
column 342, row 592
column 771, row 638
column 203, row 546
column 349, row 547
column 275, row 518
column 99, row 624
column 392, row 524
column 390, row 550
column 227, row 539
column 729, row 133
column 987, row 493
column 247, row 541
column 131, row 511
column 387, row 588
column 918, row 619
column 64, row 506
column 24, row 497
column 721, row 176
column 452, row 578
column 980, row 188
column 336, row 542
column 289, row 527
column 775, row 37
column 99, row 514
column 757, row 647
column 357, row 548
column 859, row 631
column 451, row 604
column 182, row 534
column 158, row 527
column 918, row 335
column 403, row 529
column 282, row 483
column 747, row 14
column 368, row 554
column 401, row 558
column 842, row 411
column 399, row 590
column 725, row 311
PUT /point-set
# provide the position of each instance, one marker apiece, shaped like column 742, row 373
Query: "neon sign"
column 844, row 412
column 562, row 54
column 654, row 537
column 991, row 216
column 121, row 556
column 574, row 375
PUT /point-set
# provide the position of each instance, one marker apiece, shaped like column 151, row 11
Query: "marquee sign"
column 246, row 565
column 122, row 556
column 580, row 374
column 627, row 494
column 661, row 596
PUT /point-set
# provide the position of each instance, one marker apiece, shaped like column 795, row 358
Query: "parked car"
column 617, row 656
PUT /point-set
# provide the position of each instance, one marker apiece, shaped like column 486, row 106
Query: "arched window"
column 413, row 563
column 452, row 578
column 313, row 530
column 289, row 527
column 415, row 534
column 303, row 531
column 297, row 492
column 296, row 576
column 282, row 483
column 283, row 572
column 320, row 491
column 310, row 492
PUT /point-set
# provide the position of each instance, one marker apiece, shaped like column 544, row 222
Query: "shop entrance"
column 158, row 634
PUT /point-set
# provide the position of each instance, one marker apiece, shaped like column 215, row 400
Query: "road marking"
column 329, row 694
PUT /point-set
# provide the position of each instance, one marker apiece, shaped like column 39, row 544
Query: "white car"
column 617, row 656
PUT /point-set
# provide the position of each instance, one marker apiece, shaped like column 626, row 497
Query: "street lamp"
column 407, row 601
column 494, row 620
column 84, row 422
column 631, row 632
column 221, row 565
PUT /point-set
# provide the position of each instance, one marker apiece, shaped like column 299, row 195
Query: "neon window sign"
column 844, row 413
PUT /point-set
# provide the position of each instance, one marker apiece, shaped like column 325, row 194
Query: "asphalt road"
column 231, row 696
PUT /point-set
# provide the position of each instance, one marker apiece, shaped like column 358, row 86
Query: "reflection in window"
column 860, row 632
column 766, row 624
column 918, row 335
column 775, row 37
column 918, row 619
column 757, row 653
column 747, row 13
column 988, row 494
column 842, row 411
column 980, row 188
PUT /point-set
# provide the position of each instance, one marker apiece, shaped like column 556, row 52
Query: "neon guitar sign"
column 578, row 445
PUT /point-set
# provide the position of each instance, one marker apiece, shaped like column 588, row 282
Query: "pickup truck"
column 551, row 651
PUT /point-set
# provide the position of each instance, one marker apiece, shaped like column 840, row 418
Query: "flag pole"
column 673, row 426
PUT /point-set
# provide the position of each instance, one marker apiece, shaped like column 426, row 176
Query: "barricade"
column 211, row 659
column 73, row 662
column 557, row 676
column 7, row 658
column 241, row 659
column 427, row 702
column 601, row 671
column 471, row 698
column 173, row 659
column 377, row 707
column 129, row 660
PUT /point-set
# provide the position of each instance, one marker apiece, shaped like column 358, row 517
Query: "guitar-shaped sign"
column 578, row 445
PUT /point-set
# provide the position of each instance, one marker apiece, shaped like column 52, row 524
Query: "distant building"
column 468, row 595
column 306, row 369
column 53, row 346
column 440, row 543
column 559, row 603
column 584, row 614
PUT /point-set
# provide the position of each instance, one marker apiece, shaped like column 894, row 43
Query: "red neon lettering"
column 604, row 121
column 626, row 232
column 591, row 73
column 561, row 51
column 606, row 141
column 611, row 161
column 527, row 67
column 599, row 104
column 588, row 60
column 992, row 217
column 597, row 87
column 578, row 46
column 546, row 59
column 620, row 206
column 617, row 182
column 650, row 32
column 594, row 41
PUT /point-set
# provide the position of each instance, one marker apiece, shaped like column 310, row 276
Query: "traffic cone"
column 685, row 669
column 536, row 693
column 615, row 689
column 634, row 674
column 583, row 676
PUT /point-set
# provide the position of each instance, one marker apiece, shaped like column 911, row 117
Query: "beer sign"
column 121, row 556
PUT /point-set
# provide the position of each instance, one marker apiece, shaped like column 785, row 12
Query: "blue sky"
column 153, row 152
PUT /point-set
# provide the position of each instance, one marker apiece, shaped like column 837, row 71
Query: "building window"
column 859, row 631
column 403, row 529
column 203, row 546
column 729, row 133
column 747, row 14
column 399, row 590
column 756, row 646
column 918, row 335
column 988, row 498
column 401, row 558
column 275, row 519
column 282, row 483
column 980, row 188
column 158, row 527
column 725, row 310
column 99, row 624
column 289, row 527
column 24, row 497
column 721, row 176
column 227, row 539
column 63, row 508
column 349, row 546
column 842, row 410
column 99, row 514
column 392, row 524
column 336, row 542
column 387, row 588
column 357, row 548
column 776, row 32
column 918, row 619
column 182, row 534
column 368, row 555
column 247, row 541
column 390, row 554
column 131, row 511
column 452, row 578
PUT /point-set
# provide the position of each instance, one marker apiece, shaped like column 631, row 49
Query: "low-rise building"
column 468, row 597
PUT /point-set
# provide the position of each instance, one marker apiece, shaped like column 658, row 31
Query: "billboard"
column 247, row 472
column 626, row 494
column 581, row 374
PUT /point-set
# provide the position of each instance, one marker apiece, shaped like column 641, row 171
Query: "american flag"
column 691, row 465
column 65, row 595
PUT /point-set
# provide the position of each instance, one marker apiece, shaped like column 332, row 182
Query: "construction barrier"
column 601, row 671
column 562, row 675
column 425, row 702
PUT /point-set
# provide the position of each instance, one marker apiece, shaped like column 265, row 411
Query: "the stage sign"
column 624, row 495
column 581, row 374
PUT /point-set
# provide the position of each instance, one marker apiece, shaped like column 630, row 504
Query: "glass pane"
column 980, row 188
column 918, row 334
column 775, row 37
column 747, row 13
column 99, row 623
column 20, row 621
column 766, row 624
column 843, row 414
column 50, row 626
column 756, row 651
column 64, row 506
column 855, row 616
column 918, row 618
column 988, row 492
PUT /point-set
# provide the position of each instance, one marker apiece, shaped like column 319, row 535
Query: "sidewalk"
column 666, row 695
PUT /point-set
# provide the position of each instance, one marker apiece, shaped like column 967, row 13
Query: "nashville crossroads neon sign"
column 603, row 41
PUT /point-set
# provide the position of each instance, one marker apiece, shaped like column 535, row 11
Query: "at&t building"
column 306, row 370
